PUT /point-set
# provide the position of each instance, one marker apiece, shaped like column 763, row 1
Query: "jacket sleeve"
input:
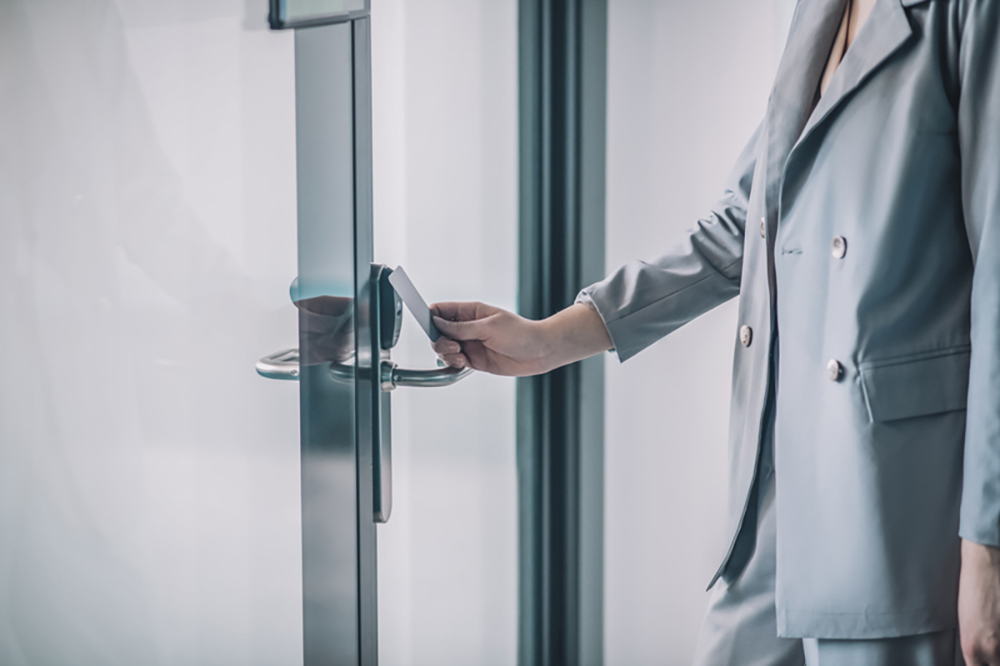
column 979, row 143
column 643, row 301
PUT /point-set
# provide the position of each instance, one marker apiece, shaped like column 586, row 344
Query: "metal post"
column 560, row 416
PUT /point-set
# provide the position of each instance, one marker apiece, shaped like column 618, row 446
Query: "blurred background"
column 149, row 479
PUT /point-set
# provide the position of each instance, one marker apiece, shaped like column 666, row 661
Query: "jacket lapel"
column 809, row 40
column 791, row 118
column 884, row 33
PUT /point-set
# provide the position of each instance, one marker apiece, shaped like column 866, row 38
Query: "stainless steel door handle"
column 280, row 365
column 394, row 376
column 285, row 365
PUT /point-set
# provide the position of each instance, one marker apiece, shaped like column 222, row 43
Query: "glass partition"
column 445, row 160
column 149, row 480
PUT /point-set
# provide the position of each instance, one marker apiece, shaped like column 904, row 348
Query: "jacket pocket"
column 917, row 385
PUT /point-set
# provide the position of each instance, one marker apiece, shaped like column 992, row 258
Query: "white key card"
column 400, row 281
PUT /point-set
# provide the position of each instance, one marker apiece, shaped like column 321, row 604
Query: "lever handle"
column 281, row 365
column 285, row 365
column 394, row 376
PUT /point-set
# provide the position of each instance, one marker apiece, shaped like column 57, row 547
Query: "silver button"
column 834, row 370
column 763, row 227
column 839, row 247
column 746, row 335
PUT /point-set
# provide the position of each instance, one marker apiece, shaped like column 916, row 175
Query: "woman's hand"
column 979, row 604
column 494, row 340
column 491, row 339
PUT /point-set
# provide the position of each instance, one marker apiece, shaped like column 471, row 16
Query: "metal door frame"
column 562, row 85
column 334, row 152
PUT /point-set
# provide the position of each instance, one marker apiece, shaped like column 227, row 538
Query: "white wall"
column 687, row 84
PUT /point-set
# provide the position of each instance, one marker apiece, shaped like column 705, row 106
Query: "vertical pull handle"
column 382, row 458
column 386, row 313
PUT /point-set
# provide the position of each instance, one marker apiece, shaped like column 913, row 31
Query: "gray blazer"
column 881, row 210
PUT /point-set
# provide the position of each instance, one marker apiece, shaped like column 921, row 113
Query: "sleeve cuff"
column 584, row 298
column 982, row 539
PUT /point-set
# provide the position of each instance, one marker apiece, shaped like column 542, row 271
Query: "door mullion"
column 367, row 384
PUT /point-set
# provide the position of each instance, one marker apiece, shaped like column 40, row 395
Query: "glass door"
column 166, row 171
column 149, row 479
column 436, row 470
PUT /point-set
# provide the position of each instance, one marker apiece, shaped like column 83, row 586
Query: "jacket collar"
column 885, row 32
column 791, row 119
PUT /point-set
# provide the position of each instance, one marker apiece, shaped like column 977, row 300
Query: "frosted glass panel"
column 149, row 480
column 445, row 132
column 687, row 84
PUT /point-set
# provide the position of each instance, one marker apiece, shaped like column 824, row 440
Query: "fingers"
column 449, row 350
column 446, row 346
column 455, row 360
column 464, row 330
column 464, row 311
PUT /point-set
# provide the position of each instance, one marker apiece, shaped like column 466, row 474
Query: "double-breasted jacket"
column 862, row 237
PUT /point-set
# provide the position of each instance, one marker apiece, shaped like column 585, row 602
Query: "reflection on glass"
column 326, row 330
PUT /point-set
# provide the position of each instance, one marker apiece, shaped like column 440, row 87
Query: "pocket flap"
column 916, row 385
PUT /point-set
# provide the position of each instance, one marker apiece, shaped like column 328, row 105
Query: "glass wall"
column 445, row 132
column 149, row 480
column 687, row 84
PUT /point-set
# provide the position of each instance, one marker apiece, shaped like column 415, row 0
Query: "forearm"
column 573, row 334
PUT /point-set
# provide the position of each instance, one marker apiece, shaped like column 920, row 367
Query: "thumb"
column 463, row 330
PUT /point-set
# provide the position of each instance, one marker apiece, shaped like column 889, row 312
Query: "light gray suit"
column 867, row 233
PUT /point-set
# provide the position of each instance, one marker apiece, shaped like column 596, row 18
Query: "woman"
column 862, row 221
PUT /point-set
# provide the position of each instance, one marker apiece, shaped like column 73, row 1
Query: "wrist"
column 571, row 335
column 977, row 553
column 551, row 341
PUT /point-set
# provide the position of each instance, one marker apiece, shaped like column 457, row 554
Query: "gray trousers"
column 741, row 626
